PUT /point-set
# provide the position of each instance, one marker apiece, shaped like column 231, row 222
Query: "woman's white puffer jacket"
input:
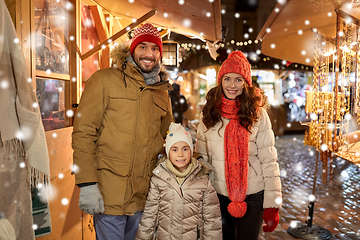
column 263, row 171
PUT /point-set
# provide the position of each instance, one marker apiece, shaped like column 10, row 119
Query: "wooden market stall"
column 325, row 34
column 64, row 42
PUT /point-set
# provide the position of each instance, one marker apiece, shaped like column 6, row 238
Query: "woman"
column 235, row 137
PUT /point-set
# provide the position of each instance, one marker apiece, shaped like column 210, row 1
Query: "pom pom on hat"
column 176, row 134
column 146, row 33
column 236, row 62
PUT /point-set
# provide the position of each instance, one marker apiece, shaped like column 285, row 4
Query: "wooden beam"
column 100, row 22
column 75, row 73
column 103, row 33
column 118, row 34
column 346, row 15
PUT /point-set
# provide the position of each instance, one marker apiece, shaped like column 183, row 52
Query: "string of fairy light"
column 234, row 46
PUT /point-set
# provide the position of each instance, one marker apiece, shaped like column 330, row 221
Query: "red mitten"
column 271, row 218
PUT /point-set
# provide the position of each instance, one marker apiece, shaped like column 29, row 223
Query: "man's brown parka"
column 119, row 131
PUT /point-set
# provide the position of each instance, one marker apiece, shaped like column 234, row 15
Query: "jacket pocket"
column 253, row 168
column 122, row 94
column 113, row 179
column 121, row 102
column 160, row 103
column 116, row 167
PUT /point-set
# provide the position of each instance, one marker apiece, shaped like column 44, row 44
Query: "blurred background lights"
column 75, row 168
column 187, row 23
column 323, row 147
column 311, row 198
column 4, row 84
column 64, row 201
column 237, row 15
column 293, row 224
column 69, row 6
column 344, row 174
column 69, row 113
column 54, row 135
column 348, row 116
column 61, row 176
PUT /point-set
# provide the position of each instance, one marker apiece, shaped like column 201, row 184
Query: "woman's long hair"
column 249, row 102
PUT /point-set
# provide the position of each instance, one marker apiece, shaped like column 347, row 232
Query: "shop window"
column 52, row 61
column 51, row 30
column 51, row 97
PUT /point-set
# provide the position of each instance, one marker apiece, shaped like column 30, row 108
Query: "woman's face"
column 232, row 84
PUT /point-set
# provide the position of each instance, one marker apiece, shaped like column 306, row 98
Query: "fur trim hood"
column 122, row 51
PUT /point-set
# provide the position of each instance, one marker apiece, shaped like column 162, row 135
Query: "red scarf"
column 236, row 144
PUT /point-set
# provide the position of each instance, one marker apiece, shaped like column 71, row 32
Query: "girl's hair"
column 249, row 101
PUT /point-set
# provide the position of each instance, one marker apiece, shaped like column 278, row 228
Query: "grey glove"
column 90, row 200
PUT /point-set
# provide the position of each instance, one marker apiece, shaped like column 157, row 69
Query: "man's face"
column 147, row 56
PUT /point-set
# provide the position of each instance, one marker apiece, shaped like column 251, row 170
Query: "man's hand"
column 90, row 200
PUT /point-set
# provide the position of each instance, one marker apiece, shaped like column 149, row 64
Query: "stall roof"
column 190, row 19
column 291, row 16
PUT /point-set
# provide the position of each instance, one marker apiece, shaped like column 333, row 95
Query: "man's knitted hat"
column 146, row 33
column 236, row 63
column 176, row 134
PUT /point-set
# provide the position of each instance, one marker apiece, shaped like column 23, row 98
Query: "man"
column 178, row 103
column 119, row 131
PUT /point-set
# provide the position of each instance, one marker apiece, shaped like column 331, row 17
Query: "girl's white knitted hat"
column 176, row 134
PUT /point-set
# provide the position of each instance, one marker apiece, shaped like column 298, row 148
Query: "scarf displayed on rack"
column 24, row 158
column 236, row 146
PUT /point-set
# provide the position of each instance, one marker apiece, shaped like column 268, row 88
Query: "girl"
column 181, row 203
column 235, row 136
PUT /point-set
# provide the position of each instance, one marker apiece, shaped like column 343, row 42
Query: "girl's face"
column 180, row 155
column 232, row 84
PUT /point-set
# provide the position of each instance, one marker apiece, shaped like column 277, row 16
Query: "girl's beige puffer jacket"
column 187, row 212
column 263, row 171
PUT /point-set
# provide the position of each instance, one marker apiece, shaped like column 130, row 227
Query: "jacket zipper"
column 123, row 69
column 198, row 231
column 176, row 180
